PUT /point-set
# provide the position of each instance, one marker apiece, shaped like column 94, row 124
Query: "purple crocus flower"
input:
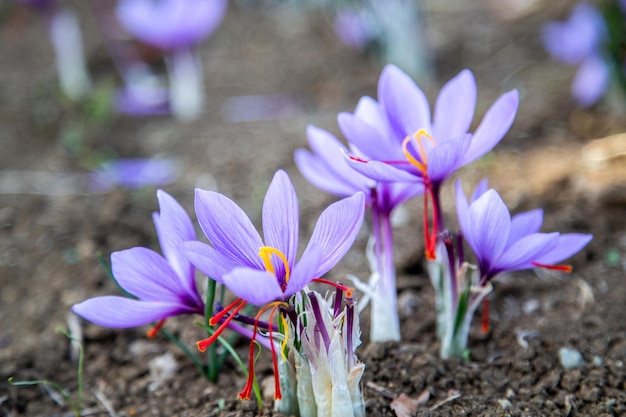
column 401, row 143
column 354, row 28
column 264, row 272
column 241, row 260
column 503, row 243
column 164, row 285
column 176, row 27
column 579, row 40
column 327, row 168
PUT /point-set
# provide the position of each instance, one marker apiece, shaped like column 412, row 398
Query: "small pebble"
column 597, row 360
column 505, row 404
column 570, row 358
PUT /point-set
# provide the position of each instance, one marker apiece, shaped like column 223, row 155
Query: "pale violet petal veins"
column 281, row 220
column 174, row 226
column 304, row 272
column 228, row 228
column 568, row 245
column 121, row 312
column 315, row 171
column 447, row 157
column 331, row 152
column 211, row 262
column 404, row 103
column 147, row 275
column 455, row 106
column 256, row 287
column 481, row 188
column 526, row 250
column 524, row 224
column 370, row 141
column 494, row 126
column 490, row 225
column 336, row 230
column 382, row 172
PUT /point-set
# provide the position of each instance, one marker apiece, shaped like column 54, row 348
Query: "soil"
column 51, row 230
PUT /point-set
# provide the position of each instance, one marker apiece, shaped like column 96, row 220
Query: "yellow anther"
column 419, row 137
column 266, row 253
column 283, row 345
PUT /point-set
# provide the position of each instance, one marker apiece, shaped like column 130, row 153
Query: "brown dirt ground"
column 48, row 242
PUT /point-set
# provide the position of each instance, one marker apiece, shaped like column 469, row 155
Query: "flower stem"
column 385, row 322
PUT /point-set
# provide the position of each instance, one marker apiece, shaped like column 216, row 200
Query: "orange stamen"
column 347, row 290
column 153, row 331
column 203, row 344
column 562, row 268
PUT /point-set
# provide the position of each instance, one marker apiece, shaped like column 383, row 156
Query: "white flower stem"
column 186, row 83
column 385, row 322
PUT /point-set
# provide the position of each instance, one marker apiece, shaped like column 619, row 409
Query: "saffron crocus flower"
column 163, row 285
column 264, row 272
column 176, row 27
column 580, row 40
column 503, row 243
column 400, row 143
column 327, row 168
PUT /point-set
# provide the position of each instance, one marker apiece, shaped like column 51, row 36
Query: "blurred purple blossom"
column 171, row 24
column 142, row 100
column 354, row 27
column 134, row 173
column 164, row 285
column 503, row 243
column 580, row 40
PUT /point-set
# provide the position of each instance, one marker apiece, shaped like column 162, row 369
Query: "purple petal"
column 524, row 224
column 462, row 211
column 174, row 226
column 336, row 230
column 305, row 271
column 383, row 172
column 404, row 102
column 171, row 24
column 455, row 106
column 568, row 245
column 147, row 275
column 526, row 250
column 208, row 260
column 133, row 173
column 481, row 188
column 315, row 171
column 494, row 126
column 368, row 139
column 281, row 220
column 122, row 312
column 228, row 228
column 489, row 227
column 591, row 81
column 256, row 287
column 447, row 157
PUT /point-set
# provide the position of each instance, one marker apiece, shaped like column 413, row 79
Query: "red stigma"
column 153, row 331
column 337, row 285
column 203, row 344
column 430, row 235
column 485, row 324
column 357, row 159
column 562, row 268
